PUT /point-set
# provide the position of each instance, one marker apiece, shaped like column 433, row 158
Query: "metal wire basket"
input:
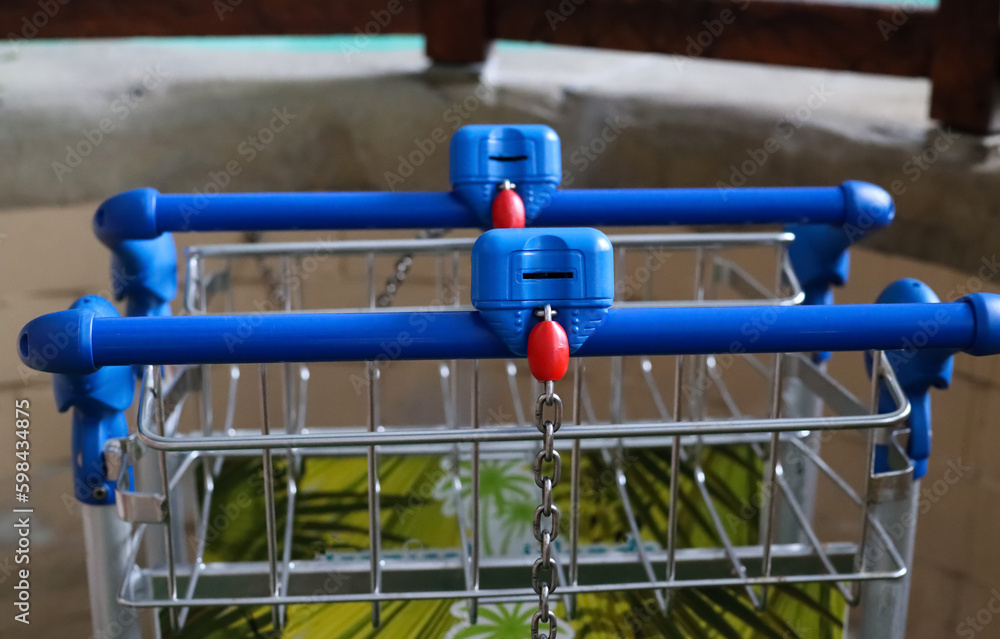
column 688, row 410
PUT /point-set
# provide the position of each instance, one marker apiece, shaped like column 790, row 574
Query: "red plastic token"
column 548, row 351
column 508, row 210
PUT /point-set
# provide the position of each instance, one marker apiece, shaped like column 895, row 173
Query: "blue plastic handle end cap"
column 60, row 342
column 986, row 310
column 867, row 207
column 127, row 216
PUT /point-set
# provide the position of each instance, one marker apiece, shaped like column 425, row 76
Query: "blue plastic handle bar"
column 971, row 324
column 144, row 214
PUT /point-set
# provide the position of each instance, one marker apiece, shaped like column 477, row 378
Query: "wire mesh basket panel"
column 403, row 492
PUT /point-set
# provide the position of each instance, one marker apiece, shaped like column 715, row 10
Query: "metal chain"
column 403, row 264
column 543, row 572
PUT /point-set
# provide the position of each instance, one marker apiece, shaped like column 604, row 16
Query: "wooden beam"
column 964, row 69
column 457, row 31
column 840, row 37
column 768, row 31
column 29, row 19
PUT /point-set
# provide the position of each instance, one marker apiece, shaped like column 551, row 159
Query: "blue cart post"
column 98, row 401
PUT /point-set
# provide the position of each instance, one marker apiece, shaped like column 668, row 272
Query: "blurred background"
column 257, row 95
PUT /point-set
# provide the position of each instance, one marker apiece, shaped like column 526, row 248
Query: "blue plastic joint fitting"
column 819, row 255
column 98, row 400
column 986, row 310
column 482, row 156
column 144, row 274
column 143, row 261
column 819, row 252
column 867, row 207
column 127, row 216
column 820, row 260
column 917, row 370
column 515, row 271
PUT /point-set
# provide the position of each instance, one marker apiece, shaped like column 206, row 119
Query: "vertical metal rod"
column 196, row 270
column 622, row 485
column 515, row 393
column 370, row 264
column 738, row 568
column 474, row 603
column 800, row 516
column 617, row 387
column 374, row 491
column 675, row 463
column 156, row 372
column 699, row 274
column 779, row 276
column 289, row 400
column 859, row 560
column 269, row 517
column 648, row 284
column 453, row 364
column 698, row 363
column 770, row 492
column 201, row 534
column 290, row 404
column 574, row 495
column 448, row 403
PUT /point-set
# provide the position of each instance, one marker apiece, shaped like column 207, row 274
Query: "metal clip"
column 133, row 507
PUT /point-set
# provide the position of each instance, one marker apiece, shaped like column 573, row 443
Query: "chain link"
column 403, row 264
column 543, row 572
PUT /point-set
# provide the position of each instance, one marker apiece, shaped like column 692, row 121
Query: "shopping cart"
column 659, row 461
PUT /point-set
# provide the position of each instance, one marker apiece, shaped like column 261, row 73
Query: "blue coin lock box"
column 515, row 271
column 484, row 155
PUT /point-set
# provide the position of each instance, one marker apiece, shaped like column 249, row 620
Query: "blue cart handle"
column 145, row 214
column 971, row 324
